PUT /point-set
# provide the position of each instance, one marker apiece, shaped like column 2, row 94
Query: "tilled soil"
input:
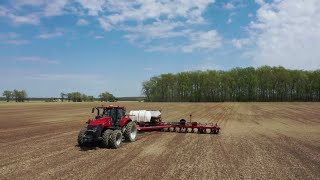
column 257, row 141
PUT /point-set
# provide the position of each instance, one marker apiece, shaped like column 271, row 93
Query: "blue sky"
column 91, row 46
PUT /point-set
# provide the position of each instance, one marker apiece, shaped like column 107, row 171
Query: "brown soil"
column 257, row 141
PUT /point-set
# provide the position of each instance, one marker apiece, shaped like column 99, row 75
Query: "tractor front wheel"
column 130, row 133
column 105, row 138
column 115, row 139
column 81, row 135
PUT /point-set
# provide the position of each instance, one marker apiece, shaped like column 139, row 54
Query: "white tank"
column 144, row 115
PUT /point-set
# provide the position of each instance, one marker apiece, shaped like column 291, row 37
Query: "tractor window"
column 120, row 113
column 113, row 114
column 106, row 112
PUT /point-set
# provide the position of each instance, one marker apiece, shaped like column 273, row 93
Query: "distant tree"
column 20, row 96
column 101, row 97
column 84, row 98
column 69, row 97
column 62, row 95
column 23, row 95
column 78, row 97
column 90, row 98
column 112, row 98
column 146, row 88
column 106, row 96
column 16, row 95
column 8, row 95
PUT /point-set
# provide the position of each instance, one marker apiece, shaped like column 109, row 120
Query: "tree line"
column 17, row 95
column 239, row 84
column 76, row 97
column 79, row 97
column 21, row 96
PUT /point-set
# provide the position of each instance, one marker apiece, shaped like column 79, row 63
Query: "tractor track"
column 257, row 141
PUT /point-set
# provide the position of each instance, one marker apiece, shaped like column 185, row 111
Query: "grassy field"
column 257, row 141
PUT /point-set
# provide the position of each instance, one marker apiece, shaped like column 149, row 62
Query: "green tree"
column 8, row 95
column 106, row 96
column 90, row 98
column 146, row 90
column 69, row 96
column 84, row 98
column 62, row 95
column 20, row 96
column 76, row 97
column 16, row 95
column 23, row 95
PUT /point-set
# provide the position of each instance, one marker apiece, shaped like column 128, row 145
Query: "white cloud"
column 239, row 43
column 155, row 30
column 99, row 37
column 37, row 60
column 230, row 18
column 3, row 11
column 229, row 6
column 286, row 33
column 55, row 8
column 29, row 2
column 232, row 5
column 82, row 22
column 13, row 38
column 148, row 22
column 41, row 8
column 50, row 35
column 11, row 35
column 144, row 22
column 261, row 2
column 203, row 65
column 203, row 40
column 93, row 6
column 65, row 77
column 162, row 48
column 48, row 8
column 141, row 10
column 147, row 69
column 27, row 19
column 18, row 41
column 105, row 24
column 195, row 40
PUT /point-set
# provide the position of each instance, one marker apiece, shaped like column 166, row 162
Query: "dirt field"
column 257, row 141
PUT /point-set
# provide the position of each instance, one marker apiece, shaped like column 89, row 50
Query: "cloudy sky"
column 53, row 46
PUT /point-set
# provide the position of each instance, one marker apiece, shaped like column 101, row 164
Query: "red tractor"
column 109, row 127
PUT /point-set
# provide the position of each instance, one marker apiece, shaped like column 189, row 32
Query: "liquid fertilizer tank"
column 144, row 115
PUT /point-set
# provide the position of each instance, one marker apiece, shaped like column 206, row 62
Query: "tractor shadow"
column 88, row 147
column 96, row 146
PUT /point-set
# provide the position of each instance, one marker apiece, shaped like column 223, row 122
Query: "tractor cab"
column 115, row 113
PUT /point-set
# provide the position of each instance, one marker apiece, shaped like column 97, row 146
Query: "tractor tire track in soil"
column 257, row 141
